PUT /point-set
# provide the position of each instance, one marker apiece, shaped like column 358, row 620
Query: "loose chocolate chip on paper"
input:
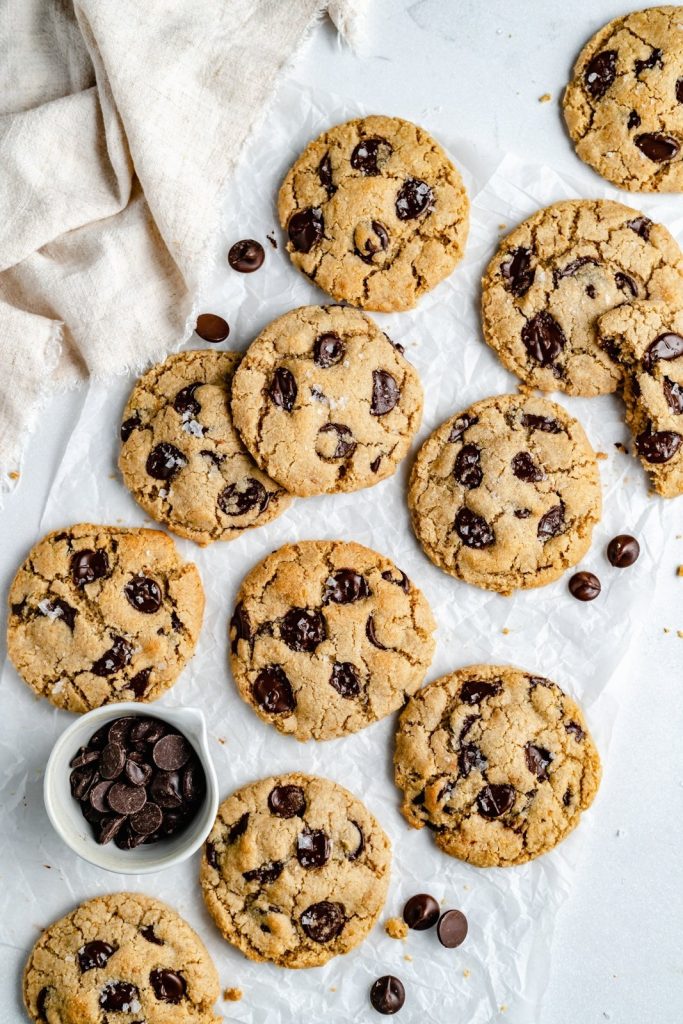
column 246, row 256
column 623, row 551
column 584, row 586
column 421, row 912
column 387, row 995
column 211, row 327
column 452, row 929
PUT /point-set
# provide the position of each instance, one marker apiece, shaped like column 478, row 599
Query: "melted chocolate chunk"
column 421, row 912
column 342, row 438
column 283, row 389
column 372, row 635
column 524, row 468
column 303, row 630
column 653, row 61
column 575, row 730
column 369, row 154
column 517, row 271
column 657, row 147
column 414, row 198
column 118, row 996
column 113, row 660
column 328, row 350
column 584, row 586
column 211, row 855
column 375, row 464
column 679, row 90
column 474, row 691
column 473, row 530
column 345, row 679
column 325, row 175
column 600, row 73
column 466, row 468
column 287, row 801
column 370, row 242
column 129, row 425
column 544, row 423
column 626, row 284
column 658, row 447
column 673, row 393
column 313, row 848
column 306, row 228
column 403, row 582
column 355, row 854
column 246, row 256
column 641, row 226
column 385, row 393
column 169, row 986
column 150, row 935
column 633, row 120
column 94, row 954
column 522, row 513
column 247, row 495
column 543, row 338
column 538, row 760
column 573, row 268
column 323, row 921
column 460, row 425
column 494, row 801
column 87, row 566
column 345, row 586
column 238, row 829
column 58, row 609
column 273, row 692
column 666, row 346
column 623, row 551
column 185, row 402
column 471, row 759
column 387, row 995
column 266, row 874
column 211, row 327
column 164, row 461
column 144, row 594
column 240, row 623
column 552, row 523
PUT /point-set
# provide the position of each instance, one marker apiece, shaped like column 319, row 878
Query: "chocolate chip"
column 87, row 566
column 239, row 498
column 369, row 155
column 524, row 468
column 590, row 291
column 653, row 61
column 468, row 722
column 148, row 932
column 81, row 780
column 144, row 594
column 146, row 821
column 575, row 730
column 387, row 995
column 466, row 468
column 375, row 464
column 313, row 848
column 185, row 402
column 372, row 635
column 97, row 797
column 403, row 582
column 211, row 854
column 474, row 691
column 538, row 760
column 283, row 389
column 239, row 828
column 345, row 586
column 460, row 425
column 584, row 586
column 325, row 175
column 623, row 551
column 287, row 801
column 169, row 986
column 471, row 759
column 129, row 425
column 94, row 954
column 119, row 997
column 369, row 239
column 473, row 529
column 109, row 827
column 385, row 393
column 552, row 523
column 679, row 90
column 112, row 761
column 673, row 393
column 306, row 228
column 41, row 1003
column 211, row 327
column 517, row 272
column 165, row 790
column 658, row 447
column 573, row 268
column 303, row 630
column 171, row 752
column 335, row 441
column 641, row 226
column 265, row 874
column 246, row 256
column 421, row 912
column 666, row 346
column 323, row 921
column 345, row 679
column 84, row 757
column 626, row 284
column 241, row 626
column 543, row 338
column 139, row 682
column 493, row 801
column 415, row 197
column 58, row 609
column 355, row 854
column 567, row 798
column 633, row 120
column 522, row 513
column 544, row 423
column 600, row 73
column 657, row 147
column 273, row 692
column 125, row 799
column 328, row 349
column 194, row 783
column 164, row 461
column 113, row 660
column 452, row 929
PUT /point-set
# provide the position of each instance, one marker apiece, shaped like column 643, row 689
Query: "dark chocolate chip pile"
column 138, row 780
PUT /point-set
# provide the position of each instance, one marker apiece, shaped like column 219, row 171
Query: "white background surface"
column 473, row 70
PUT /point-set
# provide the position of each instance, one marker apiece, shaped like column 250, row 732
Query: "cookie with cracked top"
column 375, row 213
column 327, row 637
column 121, row 957
column 624, row 104
column 295, row 870
column 181, row 457
column 497, row 762
column 325, row 402
column 99, row 614
column 505, row 495
column 556, row 273
column 647, row 340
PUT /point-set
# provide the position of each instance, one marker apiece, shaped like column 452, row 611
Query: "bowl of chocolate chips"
column 132, row 790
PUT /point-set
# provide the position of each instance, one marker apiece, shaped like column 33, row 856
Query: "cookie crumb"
column 396, row 928
column 466, row 973
column 621, row 447
column 666, row 630
column 502, row 227
column 13, row 475
column 504, row 1008
column 601, row 456
column 233, row 995
column 545, row 98
column 408, row 957
column 272, row 240
column 679, row 571
column 333, row 988
column 679, row 633
column 505, row 631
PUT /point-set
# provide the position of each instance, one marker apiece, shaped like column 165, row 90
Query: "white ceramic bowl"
column 65, row 813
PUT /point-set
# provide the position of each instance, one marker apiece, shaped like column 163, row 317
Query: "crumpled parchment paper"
column 502, row 967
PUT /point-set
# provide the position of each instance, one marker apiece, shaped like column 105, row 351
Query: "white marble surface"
column 474, row 70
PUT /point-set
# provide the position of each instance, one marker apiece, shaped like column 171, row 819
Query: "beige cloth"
column 120, row 121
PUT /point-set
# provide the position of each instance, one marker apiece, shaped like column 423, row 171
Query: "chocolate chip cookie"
column 624, row 105
column 375, row 213
column 647, row 340
column 325, row 402
column 557, row 273
column 328, row 637
column 497, row 762
column 121, row 957
column 506, row 494
column 295, row 870
column 100, row 614
column 182, row 458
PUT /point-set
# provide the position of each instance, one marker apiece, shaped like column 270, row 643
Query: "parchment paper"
column 501, row 970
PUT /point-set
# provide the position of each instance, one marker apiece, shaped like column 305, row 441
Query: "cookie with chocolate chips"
column 121, row 957
column 375, row 213
column 506, row 494
column 624, row 104
column 647, row 340
column 555, row 274
column 328, row 637
column 325, row 402
column 99, row 614
column 497, row 762
column 181, row 457
column 295, row 870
